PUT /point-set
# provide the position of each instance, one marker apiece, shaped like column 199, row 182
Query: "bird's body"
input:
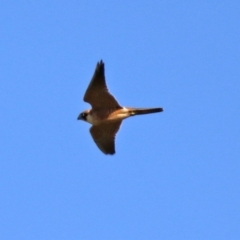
column 106, row 114
column 99, row 116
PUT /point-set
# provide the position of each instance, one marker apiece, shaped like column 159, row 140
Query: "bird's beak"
column 79, row 117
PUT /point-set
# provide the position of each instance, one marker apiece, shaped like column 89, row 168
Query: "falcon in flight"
column 106, row 114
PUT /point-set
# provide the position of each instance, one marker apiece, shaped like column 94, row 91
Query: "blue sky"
column 175, row 175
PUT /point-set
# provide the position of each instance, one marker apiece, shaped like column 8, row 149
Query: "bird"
column 107, row 114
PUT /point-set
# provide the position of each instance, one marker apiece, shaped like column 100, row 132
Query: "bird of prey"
column 106, row 114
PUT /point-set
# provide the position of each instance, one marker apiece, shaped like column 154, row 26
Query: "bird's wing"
column 104, row 135
column 97, row 93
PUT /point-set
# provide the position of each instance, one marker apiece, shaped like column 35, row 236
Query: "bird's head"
column 83, row 115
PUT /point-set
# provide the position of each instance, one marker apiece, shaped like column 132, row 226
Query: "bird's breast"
column 102, row 115
column 90, row 119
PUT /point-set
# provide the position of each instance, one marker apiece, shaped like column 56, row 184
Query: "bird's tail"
column 138, row 111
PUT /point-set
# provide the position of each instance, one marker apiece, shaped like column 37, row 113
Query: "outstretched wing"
column 97, row 93
column 104, row 135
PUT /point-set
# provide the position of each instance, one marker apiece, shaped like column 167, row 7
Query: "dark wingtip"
column 110, row 153
column 100, row 63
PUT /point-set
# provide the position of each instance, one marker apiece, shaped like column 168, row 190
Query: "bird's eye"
column 83, row 115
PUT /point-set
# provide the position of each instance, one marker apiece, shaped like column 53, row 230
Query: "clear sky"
column 176, row 174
